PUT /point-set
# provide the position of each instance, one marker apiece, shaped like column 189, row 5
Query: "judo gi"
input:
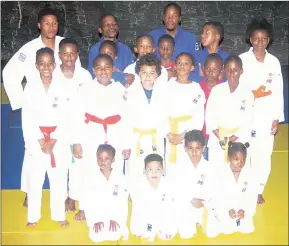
column 153, row 210
column 42, row 117
column 105, row 200
column 266, row 81
column 231, row 113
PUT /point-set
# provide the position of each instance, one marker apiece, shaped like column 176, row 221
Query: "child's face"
column 48, row 26
column 144, row 46
column 148, row 75
column 212, row 70
column 184, row 65
column 171, row 18
column 233, row 72
column 154, row 171
column 166, row 49
column 195, row 151
column 68, row 55
column 108, row 50
column 45, row 65
column 103, row 71
column 260, row 40
column 105, row 159
column 237, row 161
column 209, row 36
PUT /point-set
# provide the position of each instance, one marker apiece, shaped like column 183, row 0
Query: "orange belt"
column 260, row 92
column 107, row 121
column 47, row 130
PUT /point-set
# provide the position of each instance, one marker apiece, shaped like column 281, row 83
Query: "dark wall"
column 80, row 20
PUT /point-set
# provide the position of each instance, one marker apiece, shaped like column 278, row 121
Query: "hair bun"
column 247, row 145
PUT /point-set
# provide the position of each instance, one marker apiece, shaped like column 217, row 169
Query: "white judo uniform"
column 232, row 114
column 97, row 119
column 145, row 121
column 42, row 118
column 230, row 194
column 105, row 200
column 266, row 109
column 191, row 182
column 185, row 112
column 80, row 77
column 153, row 210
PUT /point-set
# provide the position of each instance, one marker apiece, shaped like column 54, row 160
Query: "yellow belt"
column 174, row 129
column 141, row 133
column 224, row 132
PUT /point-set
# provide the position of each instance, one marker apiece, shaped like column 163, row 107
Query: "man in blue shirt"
column 184, row 41
column 109, row 29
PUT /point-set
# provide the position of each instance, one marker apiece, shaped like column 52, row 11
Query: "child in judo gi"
column 105, row 198
column 234, row 194
column 153, row 209
column 45, row 136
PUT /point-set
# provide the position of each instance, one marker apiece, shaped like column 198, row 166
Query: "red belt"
column 107, row 121
column 47, row 130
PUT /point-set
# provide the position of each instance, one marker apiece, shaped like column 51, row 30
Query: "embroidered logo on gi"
column 245, row 186
column 55, row 104
column 201, row 181
column 22, row 57
column 154, row 148
column 124, row 97
column 195, row 100
column 115, row 192
column 141, row 151
column 253, row 133
column 163, row 197
column 243, row 105
column 149, row 227
column 197, row 47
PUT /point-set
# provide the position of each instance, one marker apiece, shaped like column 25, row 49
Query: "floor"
column 271, row 220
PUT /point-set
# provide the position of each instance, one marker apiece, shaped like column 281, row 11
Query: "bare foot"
column 25, row 203
column 31, row 224
column 63, row 223
column 69, row 205
column 260, row 199
column 80, row 216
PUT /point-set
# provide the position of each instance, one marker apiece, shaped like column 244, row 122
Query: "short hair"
column 105, row 15
column 233, row 58
column 102, row 56
column 166, row 37
column 68, row 41
column 175, row 6
column 195, row 136
column 106, row 147
column 186, row 54
column 214, row 57
column 148, row 60
column 45, row 50
column 45, row 12
column 235, row 147
column 110, row 43
column 219, row 28
column 153, row 157
column 145, row 36
column 255, row 25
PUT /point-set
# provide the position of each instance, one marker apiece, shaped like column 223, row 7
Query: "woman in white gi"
column 105, row 198
column 145, row 114
column 46, row 145
column 97, row 118
column 262, row 75
column 234, row 195
column 153, row 207
column 192, row 183
column 184, row 106
column 229, row 112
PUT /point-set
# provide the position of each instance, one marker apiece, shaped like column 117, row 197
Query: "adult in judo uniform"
column 153, row 206
column 97, row 118
column 105, row 198
column 229, row 112
column 262, row 75
column 46, row 144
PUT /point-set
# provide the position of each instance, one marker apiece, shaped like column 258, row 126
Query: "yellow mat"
column 271, row 220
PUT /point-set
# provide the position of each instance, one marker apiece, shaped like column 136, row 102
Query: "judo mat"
column 271, row 219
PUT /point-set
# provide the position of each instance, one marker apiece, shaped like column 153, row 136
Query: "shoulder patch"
column 22, row 57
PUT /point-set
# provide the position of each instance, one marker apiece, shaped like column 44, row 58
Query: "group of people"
column 184, row 133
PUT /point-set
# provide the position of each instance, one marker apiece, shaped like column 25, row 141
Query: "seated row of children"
column 163, row 206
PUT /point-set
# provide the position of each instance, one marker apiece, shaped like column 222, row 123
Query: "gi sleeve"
column 277, row 83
